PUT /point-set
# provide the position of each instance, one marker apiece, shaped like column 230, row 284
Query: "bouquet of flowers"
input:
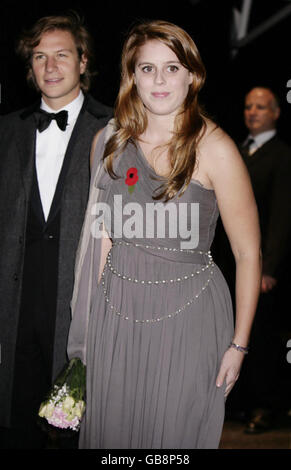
column 65, row 404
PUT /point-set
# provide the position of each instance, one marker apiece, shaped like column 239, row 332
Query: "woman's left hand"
column 230, row 368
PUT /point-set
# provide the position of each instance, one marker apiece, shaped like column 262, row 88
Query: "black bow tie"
column 43, row 119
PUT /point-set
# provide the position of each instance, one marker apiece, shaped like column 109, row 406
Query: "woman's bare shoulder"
column 216, row 143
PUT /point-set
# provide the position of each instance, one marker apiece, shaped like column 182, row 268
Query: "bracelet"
column 239, row 348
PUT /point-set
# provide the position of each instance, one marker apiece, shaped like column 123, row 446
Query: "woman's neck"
column 159, row 129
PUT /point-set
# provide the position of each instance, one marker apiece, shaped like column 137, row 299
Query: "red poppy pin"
column 131, row 179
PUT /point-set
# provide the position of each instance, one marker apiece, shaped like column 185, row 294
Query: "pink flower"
column 60, row 419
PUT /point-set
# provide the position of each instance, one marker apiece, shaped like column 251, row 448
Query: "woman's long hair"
column 130, row 114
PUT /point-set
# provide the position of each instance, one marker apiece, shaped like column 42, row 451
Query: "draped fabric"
column 86, row 268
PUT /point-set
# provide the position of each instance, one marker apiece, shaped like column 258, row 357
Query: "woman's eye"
column 39, row 57
column 147, row 68
column 173, row 68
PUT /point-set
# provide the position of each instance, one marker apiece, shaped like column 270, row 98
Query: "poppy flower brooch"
column 131, row 179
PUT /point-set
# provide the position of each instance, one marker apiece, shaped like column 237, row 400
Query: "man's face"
column 57, row 67
column 261, row 111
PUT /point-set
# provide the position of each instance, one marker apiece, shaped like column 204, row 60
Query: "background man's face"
column 57, row 67
column 261, row 111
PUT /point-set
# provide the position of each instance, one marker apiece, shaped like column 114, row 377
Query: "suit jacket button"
column 48, row 236
column 15, row 277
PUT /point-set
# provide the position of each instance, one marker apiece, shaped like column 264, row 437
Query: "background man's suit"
column 37, row 256
column 259, row 387
column 270, row 171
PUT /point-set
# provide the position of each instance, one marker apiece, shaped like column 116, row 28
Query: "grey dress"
column 160, row 320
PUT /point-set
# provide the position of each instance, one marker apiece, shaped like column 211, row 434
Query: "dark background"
column 265, row 61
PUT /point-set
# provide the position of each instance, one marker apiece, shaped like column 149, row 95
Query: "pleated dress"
column 160, row 321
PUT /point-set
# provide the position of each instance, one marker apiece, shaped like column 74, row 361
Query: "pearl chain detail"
column 163, row 248
column 164, row 281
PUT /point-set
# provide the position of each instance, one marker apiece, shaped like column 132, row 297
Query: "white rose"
column 42, row 411
column 78, row 409
column 68, row 404
column 82, row 405
column 49, row 410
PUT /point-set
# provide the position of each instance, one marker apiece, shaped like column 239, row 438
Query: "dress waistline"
column 171, row 254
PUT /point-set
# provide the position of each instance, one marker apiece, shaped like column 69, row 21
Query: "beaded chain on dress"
column 124, row 277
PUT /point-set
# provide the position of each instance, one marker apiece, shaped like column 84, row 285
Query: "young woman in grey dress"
column 152, row 315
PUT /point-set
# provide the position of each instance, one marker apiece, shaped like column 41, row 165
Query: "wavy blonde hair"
column 130, row 114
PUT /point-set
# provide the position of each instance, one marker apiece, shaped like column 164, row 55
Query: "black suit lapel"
column 82, row 134
column 35, row 198
column 252, row 160
column 25, row 141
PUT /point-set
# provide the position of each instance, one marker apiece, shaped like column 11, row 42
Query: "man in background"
column 268, row 158
column 260, row 391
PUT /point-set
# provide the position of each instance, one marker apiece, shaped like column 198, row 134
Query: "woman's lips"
column 160, row 94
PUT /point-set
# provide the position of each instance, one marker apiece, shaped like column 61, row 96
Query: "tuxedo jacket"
column 270, row 172
column 17, row 167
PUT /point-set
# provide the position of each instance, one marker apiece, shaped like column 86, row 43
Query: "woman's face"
column 162, row 82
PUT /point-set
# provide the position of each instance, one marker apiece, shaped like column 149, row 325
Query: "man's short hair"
column 275, row 95
column 73, row 24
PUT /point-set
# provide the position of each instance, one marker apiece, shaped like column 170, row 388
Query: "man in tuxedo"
column 44, row 184
column 268, row 160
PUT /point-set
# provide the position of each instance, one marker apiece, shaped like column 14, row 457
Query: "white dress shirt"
column 259, row 140
column 51, row 146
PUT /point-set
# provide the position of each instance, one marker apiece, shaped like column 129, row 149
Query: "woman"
column 152, row 315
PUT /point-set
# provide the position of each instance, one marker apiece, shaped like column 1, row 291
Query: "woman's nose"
column 159, row 77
